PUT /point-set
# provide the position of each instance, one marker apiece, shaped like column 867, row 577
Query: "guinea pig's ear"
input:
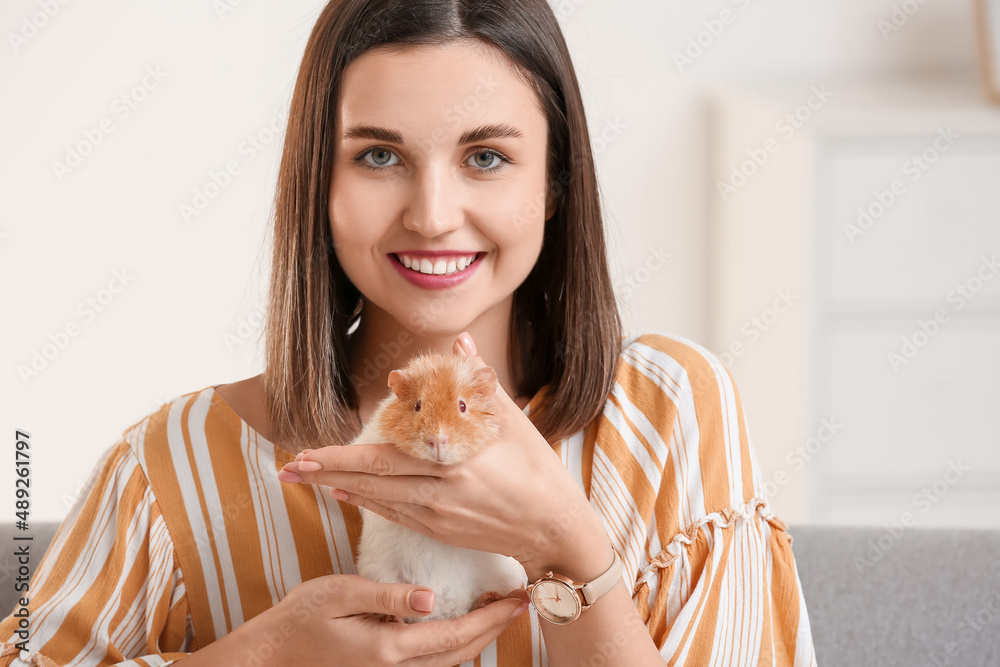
column 484, row 382
column 400, row 383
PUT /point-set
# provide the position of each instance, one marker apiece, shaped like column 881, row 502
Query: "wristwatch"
column 560, row 600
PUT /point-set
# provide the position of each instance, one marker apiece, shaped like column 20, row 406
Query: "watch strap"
column 592, row 591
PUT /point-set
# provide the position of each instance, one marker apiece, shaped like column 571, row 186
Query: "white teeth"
column 436, row 267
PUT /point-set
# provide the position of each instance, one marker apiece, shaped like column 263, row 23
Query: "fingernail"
column 339, row 495
column 465, row 340
column 422, row 600
column 521, row 608
column 298, row 457
column 310, row 466
column 289, row 476
column 519, row 594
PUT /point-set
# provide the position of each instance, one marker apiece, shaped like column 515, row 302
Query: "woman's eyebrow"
column 481, row 133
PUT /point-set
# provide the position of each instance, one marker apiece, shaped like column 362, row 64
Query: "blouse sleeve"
column 715, row 577
column 726, row 591
column 108, row 590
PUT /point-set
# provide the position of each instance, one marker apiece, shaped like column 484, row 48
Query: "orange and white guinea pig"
column 439, row 409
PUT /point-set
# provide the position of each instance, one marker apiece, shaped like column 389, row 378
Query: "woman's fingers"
column 442, row 643
column 371, row 470
column 399, row 492
column 376, row 471
column 408, row 516
column 382, row 459
column 438, row 643
column 353, row 594
column 465, row 345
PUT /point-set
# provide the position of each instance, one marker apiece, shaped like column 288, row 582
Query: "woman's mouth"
column 436, row 266
column 439, row 271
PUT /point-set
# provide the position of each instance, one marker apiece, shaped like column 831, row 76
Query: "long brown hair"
column 565, row 328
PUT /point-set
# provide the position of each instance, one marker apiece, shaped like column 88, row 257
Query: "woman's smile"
column 436, row 270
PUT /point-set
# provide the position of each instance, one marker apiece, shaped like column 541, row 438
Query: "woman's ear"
column 551, row 203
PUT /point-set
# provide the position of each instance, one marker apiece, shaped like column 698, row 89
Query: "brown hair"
column 565, row 327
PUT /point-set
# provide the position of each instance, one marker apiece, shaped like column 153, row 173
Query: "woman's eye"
column 377, row 158
column 488, row 164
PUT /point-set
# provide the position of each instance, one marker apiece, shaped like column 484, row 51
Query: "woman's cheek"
column 358, row 210
column 520, row 217
column 518, row 236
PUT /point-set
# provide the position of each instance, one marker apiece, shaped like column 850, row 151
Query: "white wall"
column 226, row 77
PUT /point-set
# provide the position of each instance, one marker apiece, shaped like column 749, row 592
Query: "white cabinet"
column 855, row 248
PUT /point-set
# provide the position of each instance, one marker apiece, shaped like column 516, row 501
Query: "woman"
column 437, row 192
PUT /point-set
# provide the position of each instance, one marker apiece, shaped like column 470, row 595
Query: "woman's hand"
column 515, row 498
column 335, row 620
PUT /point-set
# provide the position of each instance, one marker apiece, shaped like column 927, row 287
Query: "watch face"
column 555, row 601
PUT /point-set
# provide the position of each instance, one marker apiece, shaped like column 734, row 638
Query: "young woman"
column 437, row 192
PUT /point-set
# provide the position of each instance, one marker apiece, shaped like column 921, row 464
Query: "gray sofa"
column 921, row 598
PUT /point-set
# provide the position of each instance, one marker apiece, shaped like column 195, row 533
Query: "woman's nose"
column 434, row 206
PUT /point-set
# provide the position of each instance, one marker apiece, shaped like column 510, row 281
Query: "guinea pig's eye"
column 461, row 406
column 416, row 408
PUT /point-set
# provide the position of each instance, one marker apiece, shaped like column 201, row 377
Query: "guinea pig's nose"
column 438, row 440
column 437, row 444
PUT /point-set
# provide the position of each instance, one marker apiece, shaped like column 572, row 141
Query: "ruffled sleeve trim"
column 12, row 655
column 130, row 539
column 672, row 589
column 722, row 519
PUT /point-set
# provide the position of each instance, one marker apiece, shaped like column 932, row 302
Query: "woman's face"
column 414, row 186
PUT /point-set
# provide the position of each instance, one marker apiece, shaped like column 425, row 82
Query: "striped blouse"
column 183, row 531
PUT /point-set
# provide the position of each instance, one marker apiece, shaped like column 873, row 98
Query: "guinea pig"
column 439, row 409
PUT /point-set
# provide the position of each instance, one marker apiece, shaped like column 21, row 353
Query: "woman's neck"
column 380, row 345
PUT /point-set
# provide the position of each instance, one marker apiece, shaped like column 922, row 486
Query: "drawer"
column 913, row 247
column 904, row 417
